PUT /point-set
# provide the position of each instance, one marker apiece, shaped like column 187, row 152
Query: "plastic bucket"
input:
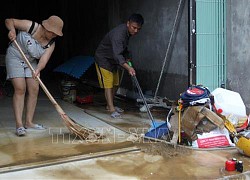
column 68, row 91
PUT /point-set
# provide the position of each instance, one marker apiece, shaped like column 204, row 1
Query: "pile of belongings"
column 205, row 114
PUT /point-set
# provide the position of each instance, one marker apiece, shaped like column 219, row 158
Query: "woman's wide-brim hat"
column 53, row 24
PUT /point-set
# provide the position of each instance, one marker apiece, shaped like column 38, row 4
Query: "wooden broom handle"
column 58, row 108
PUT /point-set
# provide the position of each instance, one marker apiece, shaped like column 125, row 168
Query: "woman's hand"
column 36, row 73
column 12, row 35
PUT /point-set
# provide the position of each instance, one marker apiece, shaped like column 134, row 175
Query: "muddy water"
column 161, row 161
column 42, row 149
column 154, row 161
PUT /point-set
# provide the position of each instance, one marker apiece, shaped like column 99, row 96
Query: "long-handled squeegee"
column 157, row 130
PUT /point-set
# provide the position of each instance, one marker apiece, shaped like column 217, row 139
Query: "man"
column 111, row 54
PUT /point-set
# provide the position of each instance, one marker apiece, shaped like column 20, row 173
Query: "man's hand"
column 131, row 71
column 129, row 68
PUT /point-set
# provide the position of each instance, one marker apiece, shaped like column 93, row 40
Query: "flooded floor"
column 55, row 154
column 139, row 165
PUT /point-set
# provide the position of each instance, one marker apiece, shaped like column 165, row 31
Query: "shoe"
column 20, row 131
column 119, row 110
column 36, row 127
column 116, row 115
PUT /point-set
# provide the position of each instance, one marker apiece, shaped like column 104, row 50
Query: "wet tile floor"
column 51, row 154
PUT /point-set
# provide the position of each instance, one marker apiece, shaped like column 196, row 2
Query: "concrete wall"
column 150, row 45
column 238, row 48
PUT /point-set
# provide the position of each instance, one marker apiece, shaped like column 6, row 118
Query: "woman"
column 38, row 43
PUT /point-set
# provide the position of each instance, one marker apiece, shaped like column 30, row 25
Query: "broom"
column 74, row 127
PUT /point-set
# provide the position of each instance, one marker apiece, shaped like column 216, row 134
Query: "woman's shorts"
column 17, row 68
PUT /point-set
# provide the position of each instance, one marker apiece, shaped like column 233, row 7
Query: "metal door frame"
column 219, row 65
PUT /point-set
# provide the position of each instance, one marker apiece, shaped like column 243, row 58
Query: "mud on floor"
column 163, row 149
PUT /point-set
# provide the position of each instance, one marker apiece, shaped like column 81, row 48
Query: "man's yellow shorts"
column 106, row 78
